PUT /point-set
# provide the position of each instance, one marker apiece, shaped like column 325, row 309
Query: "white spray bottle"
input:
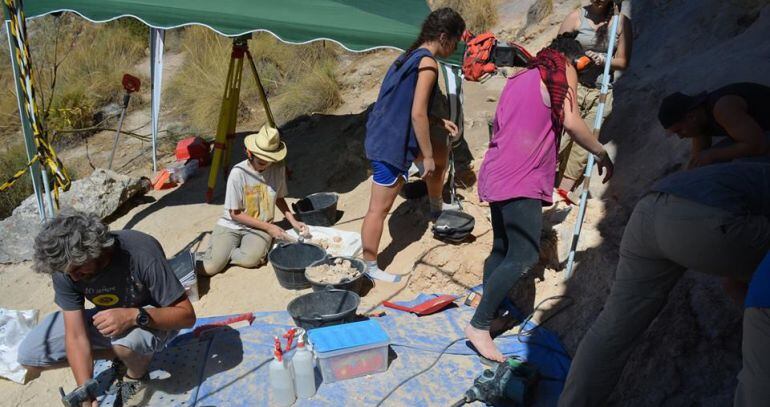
column 281, row 383
column 304, row 373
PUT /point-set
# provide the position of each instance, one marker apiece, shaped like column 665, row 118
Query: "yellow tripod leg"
column 225, row 123
column 235, row 94
column 261, row 91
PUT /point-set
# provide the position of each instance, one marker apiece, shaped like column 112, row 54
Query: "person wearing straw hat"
column 255, row 187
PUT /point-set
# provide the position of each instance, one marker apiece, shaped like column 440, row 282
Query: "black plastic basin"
column 324, row 308
column 290, row 260
column 351, row 285
column 318, row 209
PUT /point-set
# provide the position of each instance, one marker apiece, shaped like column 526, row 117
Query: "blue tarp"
column 228, row 366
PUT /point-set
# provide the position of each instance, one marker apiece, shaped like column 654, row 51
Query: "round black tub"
column 318, row 209
column 290, row 260
column 324, row 308
column 350, row 285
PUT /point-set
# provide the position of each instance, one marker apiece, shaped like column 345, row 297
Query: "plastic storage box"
column 350, row 350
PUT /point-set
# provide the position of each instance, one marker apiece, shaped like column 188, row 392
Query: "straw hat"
column 266, row 144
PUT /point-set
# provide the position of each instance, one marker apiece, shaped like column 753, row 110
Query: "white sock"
column 373, row 271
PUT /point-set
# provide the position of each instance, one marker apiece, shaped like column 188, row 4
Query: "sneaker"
column 451, row 206
column 435, row 213
column 374, row 273
column 135, row 392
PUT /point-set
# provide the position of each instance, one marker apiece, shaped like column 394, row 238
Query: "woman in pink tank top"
column 518, row 172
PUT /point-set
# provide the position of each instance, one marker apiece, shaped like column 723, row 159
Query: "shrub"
column 298, row 79
column 77, row 65
column 12, row 160
column 479, row 15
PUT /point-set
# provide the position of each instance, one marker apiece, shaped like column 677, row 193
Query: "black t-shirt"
column 137, row 275
column 757, row 99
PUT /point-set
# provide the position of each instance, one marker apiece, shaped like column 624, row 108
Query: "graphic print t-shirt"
column 253, row 192
column 137, row 275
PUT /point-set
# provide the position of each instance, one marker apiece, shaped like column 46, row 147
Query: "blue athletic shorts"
column 385, row 174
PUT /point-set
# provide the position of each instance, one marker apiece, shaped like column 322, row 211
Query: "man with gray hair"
column 138, row 302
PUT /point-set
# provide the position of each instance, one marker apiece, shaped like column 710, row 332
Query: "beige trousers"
column 242, row 247
column 664, row 237
column 572, row 157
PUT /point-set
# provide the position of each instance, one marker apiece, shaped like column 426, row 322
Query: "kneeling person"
column 139, row 303
column 255, row 187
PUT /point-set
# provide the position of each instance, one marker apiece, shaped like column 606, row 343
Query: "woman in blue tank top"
column 397, row 129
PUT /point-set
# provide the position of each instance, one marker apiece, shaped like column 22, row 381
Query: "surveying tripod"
column 228, row 114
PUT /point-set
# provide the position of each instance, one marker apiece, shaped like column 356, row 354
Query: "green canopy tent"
column 356, row 25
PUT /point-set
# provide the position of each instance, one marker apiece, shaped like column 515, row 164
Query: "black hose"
column 459, row 403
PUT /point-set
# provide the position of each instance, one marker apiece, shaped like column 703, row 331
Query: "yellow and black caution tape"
column 19, row 174
column 46, row 155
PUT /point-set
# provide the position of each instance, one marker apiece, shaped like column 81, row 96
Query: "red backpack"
column 477, row 62
column 479, row 59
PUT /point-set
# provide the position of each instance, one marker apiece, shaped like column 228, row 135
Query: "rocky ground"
column 690, row 355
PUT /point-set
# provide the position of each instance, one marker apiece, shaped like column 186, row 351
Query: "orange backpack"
column 479, row 59
column 477, row 63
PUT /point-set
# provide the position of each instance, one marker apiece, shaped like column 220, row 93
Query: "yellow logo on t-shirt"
column 259, row 202
column 105, row 300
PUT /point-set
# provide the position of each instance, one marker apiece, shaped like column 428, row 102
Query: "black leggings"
column 516, row 226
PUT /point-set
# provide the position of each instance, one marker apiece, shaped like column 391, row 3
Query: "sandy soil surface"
column 178, row 216
column 701, row 329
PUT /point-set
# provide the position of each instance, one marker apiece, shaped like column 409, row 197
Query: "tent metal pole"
column 157, row 39
column 49, row 205
column 26, row 129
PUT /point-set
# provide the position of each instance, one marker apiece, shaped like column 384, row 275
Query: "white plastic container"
column 281, row 383
column 350, row 350
column 304, row 372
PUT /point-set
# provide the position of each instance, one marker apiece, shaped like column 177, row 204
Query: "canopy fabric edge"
column 65, row 10
column 212, row 29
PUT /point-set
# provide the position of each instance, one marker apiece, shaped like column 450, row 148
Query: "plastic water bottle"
column 281, row 383
column 304, row 374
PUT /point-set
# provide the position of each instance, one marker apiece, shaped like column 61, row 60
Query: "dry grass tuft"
column 479, row 15
column 12, row 160
column 298, row 79
column 78, row 67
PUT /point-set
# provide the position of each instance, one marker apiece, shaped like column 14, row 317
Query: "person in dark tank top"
column 738, row 111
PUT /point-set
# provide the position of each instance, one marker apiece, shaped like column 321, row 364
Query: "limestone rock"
column 102, row 193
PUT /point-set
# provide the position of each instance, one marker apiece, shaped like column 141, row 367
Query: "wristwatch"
column 143, row 318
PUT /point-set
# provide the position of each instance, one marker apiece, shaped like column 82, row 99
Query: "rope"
column 45, row 155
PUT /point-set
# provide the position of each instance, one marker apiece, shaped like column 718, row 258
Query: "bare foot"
column 483, row 343
column 502, row 324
